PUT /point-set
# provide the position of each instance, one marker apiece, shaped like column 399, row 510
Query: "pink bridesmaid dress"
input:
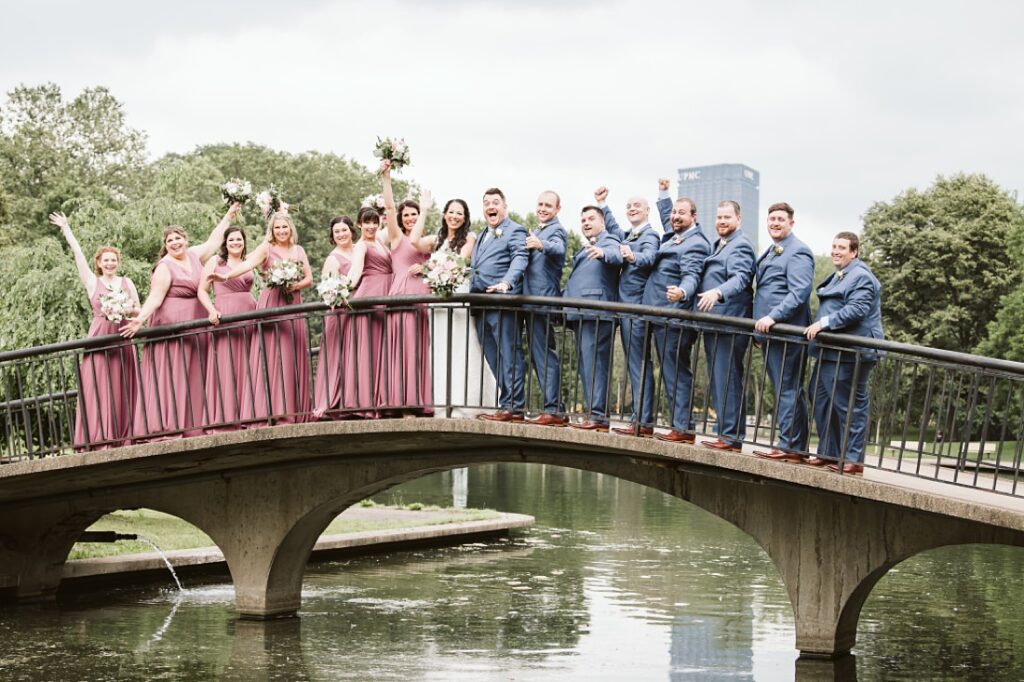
column 327, row 388
column 280, row 361
column 108, row 384
column 363, row 349
column 172, row 379
column 407, row 364
column 229, row 375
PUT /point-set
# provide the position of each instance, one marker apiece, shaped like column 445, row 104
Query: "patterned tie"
column 721, row 245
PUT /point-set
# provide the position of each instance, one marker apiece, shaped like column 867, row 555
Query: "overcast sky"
column 837, row 105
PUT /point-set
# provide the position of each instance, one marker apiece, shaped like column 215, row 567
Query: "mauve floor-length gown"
column 172, row 378
column 229, row 375
column 280, row 361
column 363, row 348
column 407, row 364
column 327, row 389
column 108, row 384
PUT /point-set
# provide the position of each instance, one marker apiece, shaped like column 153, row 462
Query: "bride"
column 452, row 331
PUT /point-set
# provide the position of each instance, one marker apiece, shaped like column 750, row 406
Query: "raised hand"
column 385, row 168
column 60, row 220
column 234, row 210
column 426, row 201
column 663, row 184
column 601, row 194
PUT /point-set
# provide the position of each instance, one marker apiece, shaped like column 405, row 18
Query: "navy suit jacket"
column 595, row 278
column 853, row 305
column 544, row 270
column 784, row 283
column 500, row 259
column 730, row 269
column 679, row 262
column 644, row 242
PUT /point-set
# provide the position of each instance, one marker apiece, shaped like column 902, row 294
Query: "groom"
column 499, row 260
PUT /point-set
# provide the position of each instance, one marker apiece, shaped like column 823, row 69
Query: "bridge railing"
column 941, row 415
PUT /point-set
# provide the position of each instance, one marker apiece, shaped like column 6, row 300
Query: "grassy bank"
column 169, row 532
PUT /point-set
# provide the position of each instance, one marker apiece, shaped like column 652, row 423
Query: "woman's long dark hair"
column 223, row 253
column 351, row 227
column 461, row 234
column 408, row 203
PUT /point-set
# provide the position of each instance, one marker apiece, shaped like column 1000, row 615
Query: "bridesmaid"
column 229, row 377
column 363, row 356
column 407, row 374
column 280, row 357
column 328, row 386
column 108, row 378
column 172, row 394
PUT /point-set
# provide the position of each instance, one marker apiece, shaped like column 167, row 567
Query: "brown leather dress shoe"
column 779, row 455
column 815, row 461
column 590, row 426
column 721, row 445
column 676, row 437
column 645, row 431
column 501, row 416
column 547, row 419
column 848, row 468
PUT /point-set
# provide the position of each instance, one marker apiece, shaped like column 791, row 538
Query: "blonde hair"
column 102, row 250
column 280, row 215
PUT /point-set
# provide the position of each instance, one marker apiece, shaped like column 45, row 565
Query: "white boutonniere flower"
column 840, row 274
column 777, row 250
column 678, row 239
column 498, row 232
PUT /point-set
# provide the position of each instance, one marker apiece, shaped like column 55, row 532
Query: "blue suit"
column 643, row 241
column 730, row 269
column 596, row 279
column 679, row 262
column 851, row 303
column 544, row 278
column 783, row 293
column 500, row 256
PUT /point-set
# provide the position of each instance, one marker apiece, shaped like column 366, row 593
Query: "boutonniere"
column 777, row 250
column 678, row 239
column 633, row 236
column 592, row 240
column 498, row 232
column 840, row 274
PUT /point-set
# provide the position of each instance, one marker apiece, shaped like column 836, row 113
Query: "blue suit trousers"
column 594, row 352
column 541, row 333
column 841, row 434
column 784, row 363
column 725, row 354
column 674, row 346
column 498, row 331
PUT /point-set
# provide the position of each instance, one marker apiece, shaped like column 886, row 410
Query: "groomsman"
column 728, row 272
column 850, row 303
column 784, row 277
column 546, row 247
column 639, row 248
column 673, row 283
column 498, row 262
column 595, row 276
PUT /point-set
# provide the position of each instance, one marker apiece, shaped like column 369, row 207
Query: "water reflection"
column 616, row 581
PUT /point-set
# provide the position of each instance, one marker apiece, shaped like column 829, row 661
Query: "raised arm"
column 85, row 273
column 255, row 258
column 421, row 243
column 664, row 205
column 216, row 238
column 390, row 213
column 160, row 282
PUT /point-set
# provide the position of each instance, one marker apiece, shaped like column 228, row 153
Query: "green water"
column 615, row 581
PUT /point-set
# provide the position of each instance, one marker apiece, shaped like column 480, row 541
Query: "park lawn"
column 170, row 532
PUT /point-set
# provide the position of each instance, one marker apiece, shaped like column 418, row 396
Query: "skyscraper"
column 708, row 185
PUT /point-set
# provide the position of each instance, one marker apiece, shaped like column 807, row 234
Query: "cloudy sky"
column 837, row 105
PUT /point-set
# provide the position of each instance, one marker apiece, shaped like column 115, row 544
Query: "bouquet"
column 374, row 201
column 236, row 190
column 117, row 305
column 283, row 272
column 445, row 272
column 335, row 290
column 269, row 200
column 395, row 151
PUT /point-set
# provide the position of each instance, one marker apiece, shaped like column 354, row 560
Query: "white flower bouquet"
column 236, row 190
column 444, row 272
column 335, row 290
column 283, row 273
column 374, row 201
column 395, row 151
column 269, row 200
column 117, row 305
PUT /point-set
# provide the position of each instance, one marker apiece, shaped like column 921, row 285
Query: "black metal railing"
column 922, row 412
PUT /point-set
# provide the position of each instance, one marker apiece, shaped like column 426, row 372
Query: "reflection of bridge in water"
column 265, row 495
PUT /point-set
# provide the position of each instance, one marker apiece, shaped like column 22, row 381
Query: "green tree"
column 943, row 260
